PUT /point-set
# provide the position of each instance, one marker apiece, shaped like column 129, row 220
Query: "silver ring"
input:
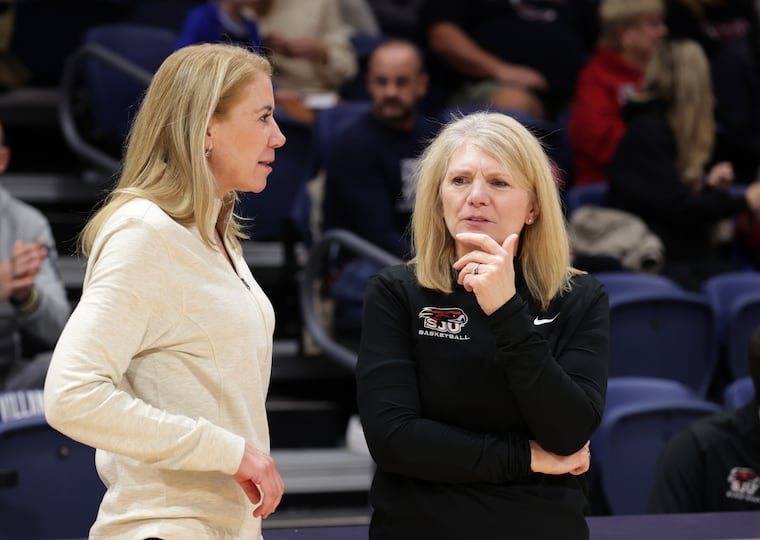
column 475, row 269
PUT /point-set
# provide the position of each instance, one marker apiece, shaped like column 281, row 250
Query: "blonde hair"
column 544, row 246
column 618, row 15
column 165, row 158
column 679, row 75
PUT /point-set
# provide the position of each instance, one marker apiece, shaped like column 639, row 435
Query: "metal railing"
column 313, row 270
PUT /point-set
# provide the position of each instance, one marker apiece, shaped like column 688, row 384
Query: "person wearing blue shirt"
column 370, row 170
column 369, row 186
column 231, row 21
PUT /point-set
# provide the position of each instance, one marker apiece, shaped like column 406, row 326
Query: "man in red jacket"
column 631, row 30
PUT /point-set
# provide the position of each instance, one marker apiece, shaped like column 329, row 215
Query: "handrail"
column 67, row 90
column 312, row 270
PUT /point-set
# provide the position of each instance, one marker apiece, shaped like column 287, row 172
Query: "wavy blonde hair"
column 544, row 246
column 679, row 75
column 164, row 159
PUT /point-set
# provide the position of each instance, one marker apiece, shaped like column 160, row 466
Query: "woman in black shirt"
column 482, row 370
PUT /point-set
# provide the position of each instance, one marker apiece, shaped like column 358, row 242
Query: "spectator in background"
column 523, row 55
column 309, row 48
column 728, row 33
column 222, row 21
column 359, row 19
column 713, row 465
column 32, row 296
column 370, row 182
column 13, row 73
column 662, row 170
column 370, row 171
column 631, row 30
column 398, row 18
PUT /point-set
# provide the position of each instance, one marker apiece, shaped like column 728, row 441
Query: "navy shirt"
column 370, row 183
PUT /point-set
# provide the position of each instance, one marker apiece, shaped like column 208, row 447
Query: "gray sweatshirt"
column 20, row 221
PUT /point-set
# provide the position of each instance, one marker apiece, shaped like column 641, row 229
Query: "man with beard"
column 370, row 183
column 370, row 171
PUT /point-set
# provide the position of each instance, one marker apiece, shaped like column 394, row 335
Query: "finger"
column 251, row 491
column 510, row 244
column 480, row 241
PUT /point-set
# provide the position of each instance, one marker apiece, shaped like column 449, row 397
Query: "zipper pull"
column 246, row 284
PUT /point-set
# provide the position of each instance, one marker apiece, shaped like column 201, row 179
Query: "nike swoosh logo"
column 539, row 322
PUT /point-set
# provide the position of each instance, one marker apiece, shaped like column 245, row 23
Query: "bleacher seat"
column 640, row 416
column 49, row 487
column 665, row 333
column 735, row 300
column 738, row 393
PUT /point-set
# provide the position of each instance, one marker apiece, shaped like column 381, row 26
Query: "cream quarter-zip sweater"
column 164, row 367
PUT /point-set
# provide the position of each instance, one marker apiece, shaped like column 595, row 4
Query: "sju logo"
column 446, row 320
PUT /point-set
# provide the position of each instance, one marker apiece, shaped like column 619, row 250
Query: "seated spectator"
column 226, row 21
column 33, row 298
column 728, row 33
column 631, row 30
column 13, row 73
column 309, row 47
column 369, row 187
column 714, row 464
column 370, row 171
column 398, row 18
column 661, row 170
column 358, row 18
column 523, row 55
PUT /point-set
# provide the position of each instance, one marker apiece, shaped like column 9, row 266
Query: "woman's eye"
column 500, row 183
column 266, row 117
column 457, row 180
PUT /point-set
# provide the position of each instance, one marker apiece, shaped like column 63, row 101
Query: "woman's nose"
column 477, row 194
column 277, row 139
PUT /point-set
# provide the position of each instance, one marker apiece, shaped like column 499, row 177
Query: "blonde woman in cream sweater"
column 164, row 364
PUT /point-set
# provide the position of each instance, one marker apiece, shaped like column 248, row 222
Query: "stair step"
column 324, row 470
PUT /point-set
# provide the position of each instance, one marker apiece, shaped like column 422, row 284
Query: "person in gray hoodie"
column 33, row 298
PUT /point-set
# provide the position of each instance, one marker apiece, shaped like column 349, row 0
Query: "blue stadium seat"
column 738, row 393
column 627, row 446
column 665, row 333
column 116, row 62
column 735, row 300
column 589, row 194
column 49, row 487
column 626, row 281
column 329, row 122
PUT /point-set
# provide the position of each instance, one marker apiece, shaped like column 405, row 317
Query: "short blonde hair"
column 618, row 15
column 544, row 246
column 164, row 160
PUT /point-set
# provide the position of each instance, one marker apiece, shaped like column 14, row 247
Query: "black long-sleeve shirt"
column 644, row 180
column 711, row 466
column 449, row 397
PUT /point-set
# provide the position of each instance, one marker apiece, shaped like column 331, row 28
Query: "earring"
column 208, row 152
column 530, row 220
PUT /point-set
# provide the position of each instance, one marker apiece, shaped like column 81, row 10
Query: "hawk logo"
column 445, row 320
column 743, row 483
